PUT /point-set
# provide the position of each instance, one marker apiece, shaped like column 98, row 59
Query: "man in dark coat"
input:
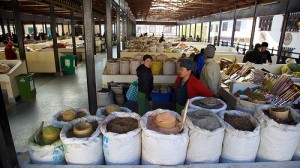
column 254, row 55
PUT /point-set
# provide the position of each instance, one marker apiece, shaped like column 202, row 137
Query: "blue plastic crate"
column 161, row 97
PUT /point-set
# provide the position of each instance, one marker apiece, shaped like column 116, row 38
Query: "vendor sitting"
column 187, row 86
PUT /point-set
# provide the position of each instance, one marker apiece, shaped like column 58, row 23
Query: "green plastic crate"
column 26, row 86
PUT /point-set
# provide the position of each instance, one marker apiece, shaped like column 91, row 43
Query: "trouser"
column 143, row 103
column 179, row 108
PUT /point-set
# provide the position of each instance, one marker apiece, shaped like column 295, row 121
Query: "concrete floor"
column 54, row 93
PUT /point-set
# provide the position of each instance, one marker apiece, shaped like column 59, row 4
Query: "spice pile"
column 289, row 121
column 208, row 103
column 69, row 115
column 122, row 125
column 204, row 120
column 239, row 122
column 83, row 128
column 165, row 123
column 111, row 108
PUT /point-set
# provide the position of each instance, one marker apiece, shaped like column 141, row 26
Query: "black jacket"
column 266, row 55
column 254, row 56
column 145, row 80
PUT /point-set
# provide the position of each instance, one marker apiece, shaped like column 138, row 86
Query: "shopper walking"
column 145, row 85
column 254, row 55
column 187, row 86
column 210, row 74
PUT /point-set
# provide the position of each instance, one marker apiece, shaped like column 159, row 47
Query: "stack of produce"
column 242, row 132
column 45, row 146
column 122, row 139
column 207, row 103
column 162, row 141
column 165, row 123
column 280, row 133
column 4, row 68
column 206, row 131
column 82, row 141
column 103, row 112
column 64, row 116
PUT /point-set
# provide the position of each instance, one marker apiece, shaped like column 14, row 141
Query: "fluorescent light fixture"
column 244, row 8
column 271, row 3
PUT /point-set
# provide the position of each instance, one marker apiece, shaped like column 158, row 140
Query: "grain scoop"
column 183, row 115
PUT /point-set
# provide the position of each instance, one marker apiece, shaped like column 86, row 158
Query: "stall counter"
column 8, row 80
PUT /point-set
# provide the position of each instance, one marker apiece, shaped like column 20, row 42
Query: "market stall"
column 8, row 80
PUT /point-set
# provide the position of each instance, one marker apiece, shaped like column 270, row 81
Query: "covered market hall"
column 150, row 83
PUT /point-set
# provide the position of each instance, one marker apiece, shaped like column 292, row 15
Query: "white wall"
column 273, row 36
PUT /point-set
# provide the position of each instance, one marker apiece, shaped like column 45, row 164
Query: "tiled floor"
column 54, row 93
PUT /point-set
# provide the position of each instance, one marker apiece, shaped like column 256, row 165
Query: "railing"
column 286, row 52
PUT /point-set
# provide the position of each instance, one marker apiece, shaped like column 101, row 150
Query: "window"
column 265, row 23
column 225, row 26
column 294, row 22
column 152, row 29
column 167, row 29
column 238, row 26
column 217, row 28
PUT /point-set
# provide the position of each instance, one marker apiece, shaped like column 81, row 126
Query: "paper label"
column 31, row 85
column 67, row 63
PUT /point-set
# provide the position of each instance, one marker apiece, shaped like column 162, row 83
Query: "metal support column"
column 253, row 27
column 57, row 30
column 185, row 31
column 43, row 27
column 2, row 26
column 177, row 29
column 195, row 31
column 62, row 29
column 209, row 27
column 123, row 30
column 201, row 31
column 100, row 32
column 118, row 33
column 34, row 30
column 54, row 38
column 19, row 29
column 8, row 157
column 220, row 29
column 8, row 28
column 90, row 63
column 94, row 36
column 73, row 33
column 190, row 30
column 46, row 30
column 109, row 29
column 283, row 30
column 233, row 28
column 14, row 28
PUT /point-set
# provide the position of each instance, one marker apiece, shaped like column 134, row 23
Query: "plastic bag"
column 240, row 146
column 132, row 91
column 49, row 154
column 121, row 149
column 297, row 153
column 105, row 98
column 83, row 151
column 161, row 149
column 278, row 142
column 100, row 111
column 205, row 146
column 200, row 108
column 60, row 124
